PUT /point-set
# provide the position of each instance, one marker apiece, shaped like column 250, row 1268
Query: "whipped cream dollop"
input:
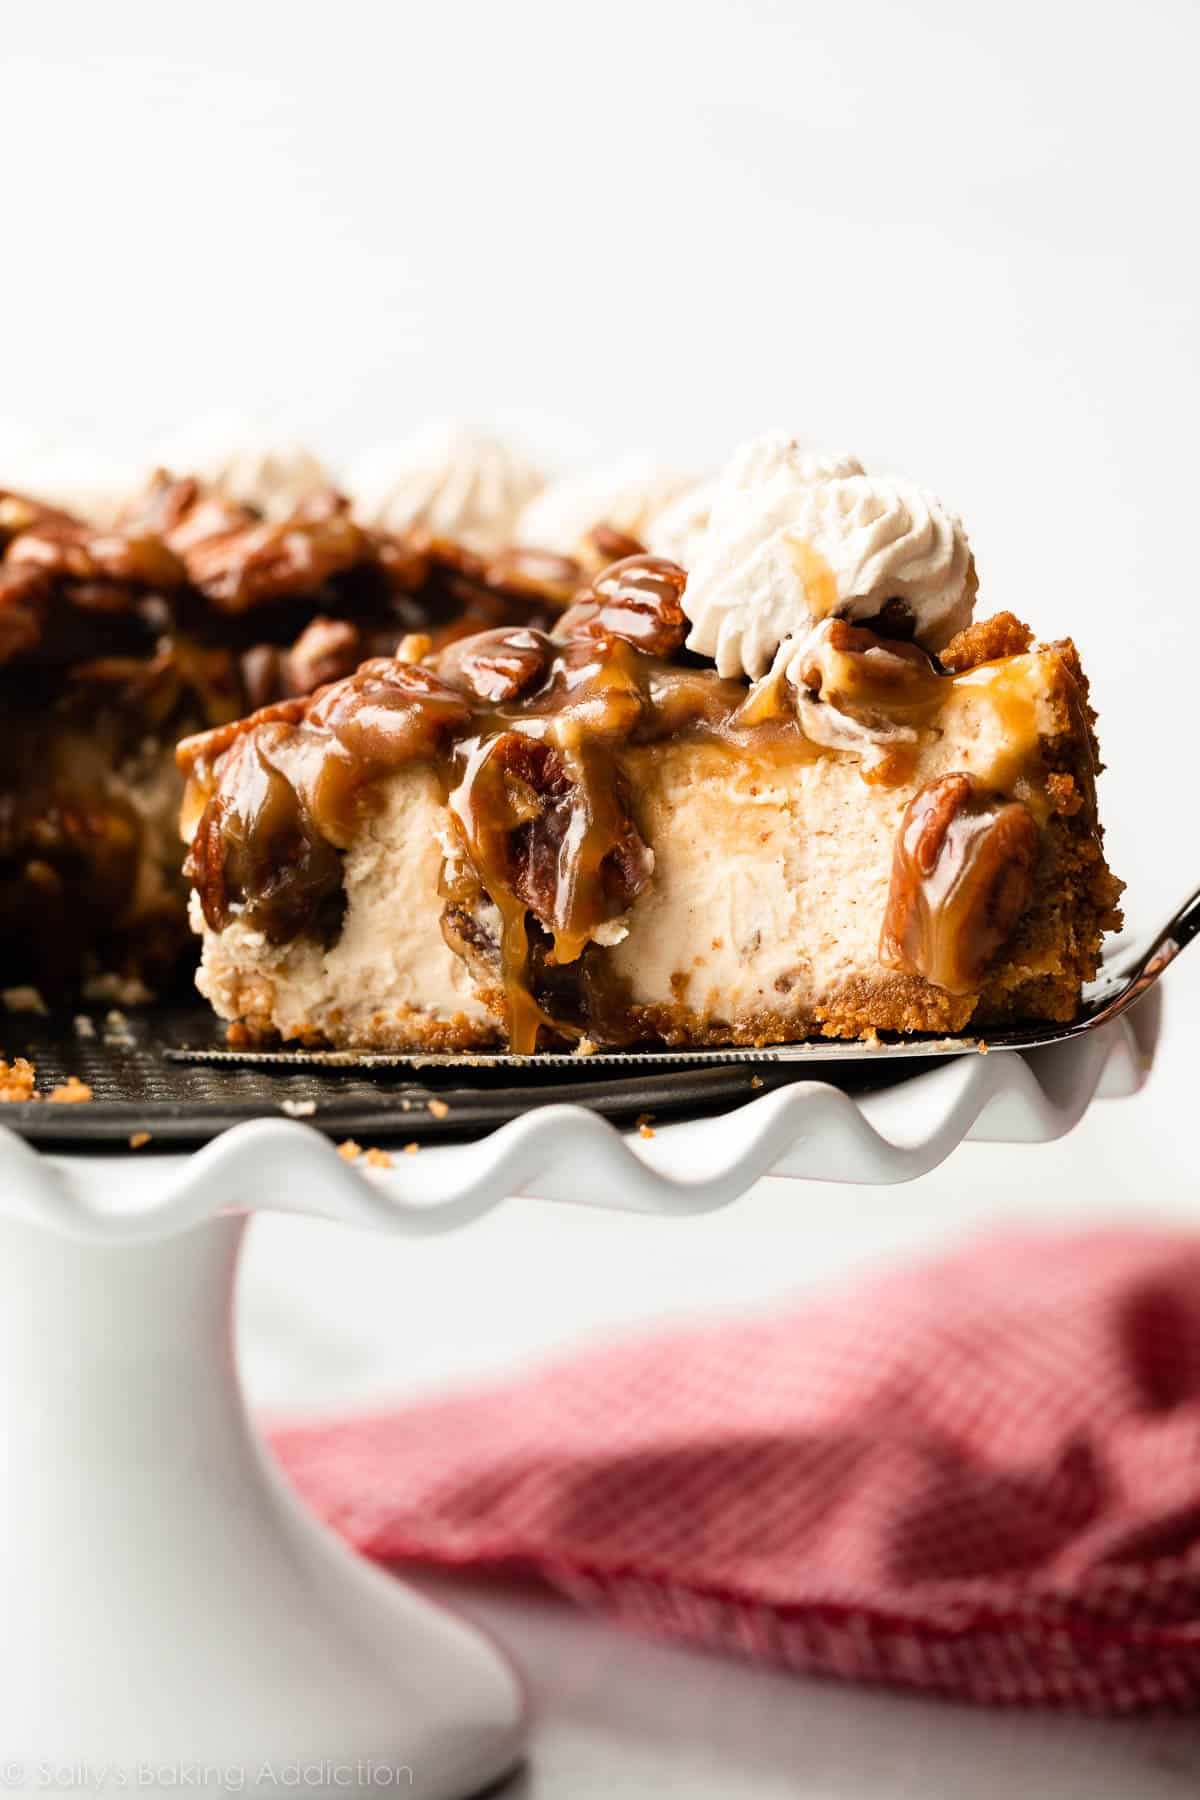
column 247, row 464
column 449, row 480
column 630, row 496
column 678, row 530
column 794, row 538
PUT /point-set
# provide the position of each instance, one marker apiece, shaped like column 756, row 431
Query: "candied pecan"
column 638, row 600
column 24, row 595
column 962, row 875
column 20, row 512
column 497, row 665
column 81, row 554
column 612, row 545
column 263, row 673
column 244, row 568
column 404, row 562
column 257, row 853
column 557, row 837
column 182, row 511
column 325, row 651
column 864, row 694
column 204, row 747
column 854, row 663
column 535, row 574
column 389, row 711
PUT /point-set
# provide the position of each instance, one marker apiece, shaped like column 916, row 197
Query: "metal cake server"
column 1126, row 974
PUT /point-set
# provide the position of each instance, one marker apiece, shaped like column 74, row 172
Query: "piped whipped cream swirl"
column 452, row 481
column 628, row 497
column 246, row 463
column 795, row 538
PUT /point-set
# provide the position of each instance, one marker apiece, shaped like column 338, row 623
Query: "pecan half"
column 962, row 875
column 535, row 575
column 390, row 712
column 851, row 667
column 81, row 554
column 259, row 854
column 637, row 599
column 263, row 674
column 202, row 749
column 325, row 651
column 497, row 665
column 244, row 568
column 20, row 512
column 24, row 595
column 612, row 545
column 556, row 835
column 182, row 511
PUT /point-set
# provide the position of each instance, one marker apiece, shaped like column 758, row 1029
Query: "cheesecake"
column 797, row 789
column 182, row 611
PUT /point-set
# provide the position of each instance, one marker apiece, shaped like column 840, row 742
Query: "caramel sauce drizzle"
column 962, row 875
column 816, row 577
column 525, row 732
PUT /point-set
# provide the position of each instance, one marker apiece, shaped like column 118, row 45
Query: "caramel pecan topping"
column 548, row 833
column 263, row 671
column 390, row 712
column 851, row 666
column 83, row 555
column 404, row 561
column 24, row 593
column 20, row 513
column 204, row 747
column 612, row 545
column 182, row 512
column 962, row 875
column 258, row 853
column 638, row 600
column 539, row 574
column 325, row 651
column 498, row 665
column 257, row 563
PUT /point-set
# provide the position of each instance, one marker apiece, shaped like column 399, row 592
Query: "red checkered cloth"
column 980, row 1477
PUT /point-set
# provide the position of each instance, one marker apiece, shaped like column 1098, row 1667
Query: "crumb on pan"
column 438, row 1108
column 138, row 1140
column 17, row 1079
column 298, row 1109
column 71, row 1092
column 348, row 1150
column 377, row 1159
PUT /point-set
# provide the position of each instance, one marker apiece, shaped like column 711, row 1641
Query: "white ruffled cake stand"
column 173, row 1617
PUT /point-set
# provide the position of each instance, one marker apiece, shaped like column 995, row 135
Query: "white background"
column 960, row 240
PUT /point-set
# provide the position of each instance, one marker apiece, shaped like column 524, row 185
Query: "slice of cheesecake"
column 600, row 837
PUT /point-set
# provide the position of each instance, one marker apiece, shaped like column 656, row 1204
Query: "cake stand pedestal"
column 174, row 1620
column 172, row 1615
